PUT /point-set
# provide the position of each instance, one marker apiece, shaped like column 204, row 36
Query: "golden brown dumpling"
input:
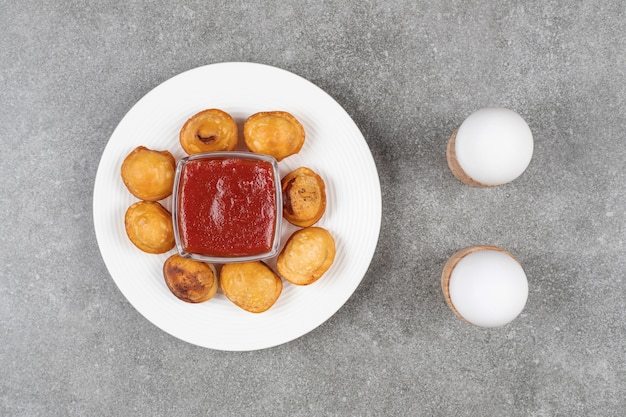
column 252, row 286
column 210, row 130
column 190, row 280
column 275, row 133
column 304, row 197
column 307, row 255
column 149, row 227
column 149, row 174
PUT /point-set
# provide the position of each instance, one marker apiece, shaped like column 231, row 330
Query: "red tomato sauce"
column 227, row 207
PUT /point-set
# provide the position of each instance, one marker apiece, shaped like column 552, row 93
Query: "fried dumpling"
column 307, row 255
column 304, row 197
column 210, row 130
column 275, row 133
column 149, row 174
column 253, row 286
column 149, row 227
column 189, row 280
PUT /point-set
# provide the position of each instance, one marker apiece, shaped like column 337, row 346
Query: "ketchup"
column 227, row 207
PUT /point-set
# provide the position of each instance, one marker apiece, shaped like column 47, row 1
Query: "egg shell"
column 493, row 146
column 485, row 285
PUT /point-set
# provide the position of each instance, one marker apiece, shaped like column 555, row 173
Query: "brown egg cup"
column 455, row 167
column 452, row 263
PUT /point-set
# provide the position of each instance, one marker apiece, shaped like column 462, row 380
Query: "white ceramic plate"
column 334, row 148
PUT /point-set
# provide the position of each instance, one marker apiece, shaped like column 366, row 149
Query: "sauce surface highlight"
column 227, row 207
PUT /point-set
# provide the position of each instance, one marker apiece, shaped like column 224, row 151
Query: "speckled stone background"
column 408, row 72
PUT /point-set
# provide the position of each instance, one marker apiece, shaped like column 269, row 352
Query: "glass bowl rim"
column 278, row 212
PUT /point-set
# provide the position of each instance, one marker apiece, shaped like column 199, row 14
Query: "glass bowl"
column 227, row 207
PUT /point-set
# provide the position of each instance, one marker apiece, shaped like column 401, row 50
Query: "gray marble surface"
column 408, row 72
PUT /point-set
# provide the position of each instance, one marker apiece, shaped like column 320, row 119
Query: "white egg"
column 488, row 288
column 494, row 146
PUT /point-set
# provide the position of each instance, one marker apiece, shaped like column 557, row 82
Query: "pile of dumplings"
column 253, row 286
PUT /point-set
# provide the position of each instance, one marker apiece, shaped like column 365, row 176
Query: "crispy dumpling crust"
column 149, row 174
column 307, row 255
column 210, row 130
column 304, row 197
column 253, row 286
column 275, row 133
column 149, row 227
column 189, row 280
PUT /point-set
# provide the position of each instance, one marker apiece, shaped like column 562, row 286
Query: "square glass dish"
column 227, row 207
